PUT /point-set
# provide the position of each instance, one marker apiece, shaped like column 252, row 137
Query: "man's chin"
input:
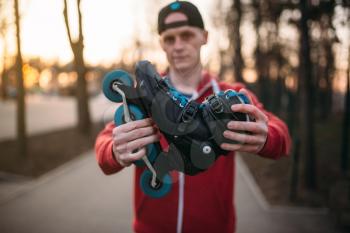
column 182, row 67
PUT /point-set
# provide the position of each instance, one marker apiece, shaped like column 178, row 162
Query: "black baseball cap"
column 192, row 13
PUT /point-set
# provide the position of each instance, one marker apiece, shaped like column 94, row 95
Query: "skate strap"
column 189, row 112
column 215, row 104
column 187, row 115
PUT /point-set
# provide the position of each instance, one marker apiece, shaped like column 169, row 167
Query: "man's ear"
column 205, row 37
column 161, row 42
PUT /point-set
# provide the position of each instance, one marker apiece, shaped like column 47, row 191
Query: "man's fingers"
column 137, row 144
column 130, row 140
column 243, row 138
column 252, row 127
column 134, row 134
column 250, row 110
column 141, row 142
column 141, row 132
column 134, row 125
column 240, row 147
column 138, row 154
column 126, row 159
column 133, row 156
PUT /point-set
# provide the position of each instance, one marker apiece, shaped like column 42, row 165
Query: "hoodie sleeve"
column 278, row 140
column 104, row 152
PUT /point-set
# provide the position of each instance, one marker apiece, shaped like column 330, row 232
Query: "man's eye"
column 186, row 36
column 169, row 40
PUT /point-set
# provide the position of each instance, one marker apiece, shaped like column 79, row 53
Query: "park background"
column 293, row 54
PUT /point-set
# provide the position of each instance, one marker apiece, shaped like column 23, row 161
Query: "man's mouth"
column 179, row 58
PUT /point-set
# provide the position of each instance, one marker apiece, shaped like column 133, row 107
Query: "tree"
column 268, row 51
column 21, row 126
column 218, row 19
column 306, row 90
column 4, row 73
column 84, row 121
column 234, row 21
column 346, row 117
column 326, row 65
column 346, row 123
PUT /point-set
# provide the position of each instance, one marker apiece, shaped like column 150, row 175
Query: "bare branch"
column 65, row 13
column 81, row 37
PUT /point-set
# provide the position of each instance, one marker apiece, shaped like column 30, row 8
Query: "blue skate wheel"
column 119, row 76
column 151, row 155
column 160, row 190
column 136, row 114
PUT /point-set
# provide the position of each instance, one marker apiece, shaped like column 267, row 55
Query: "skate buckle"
column 189, row 112
column 215, row 104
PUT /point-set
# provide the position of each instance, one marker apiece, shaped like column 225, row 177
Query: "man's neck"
column 186, row 81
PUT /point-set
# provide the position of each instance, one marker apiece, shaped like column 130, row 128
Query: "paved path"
column 79, row 198
column 255, row 215
column 74, row 198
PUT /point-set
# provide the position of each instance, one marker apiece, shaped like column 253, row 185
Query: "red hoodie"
column 200, row 203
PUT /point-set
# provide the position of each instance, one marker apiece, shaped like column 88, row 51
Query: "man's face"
column 182, row 44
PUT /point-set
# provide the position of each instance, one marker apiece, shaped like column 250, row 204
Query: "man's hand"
column 254, row 140
column 130, row 140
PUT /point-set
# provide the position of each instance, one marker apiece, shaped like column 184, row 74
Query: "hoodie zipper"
column 180, row 210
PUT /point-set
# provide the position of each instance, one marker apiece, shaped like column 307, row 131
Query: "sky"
column 108, row 27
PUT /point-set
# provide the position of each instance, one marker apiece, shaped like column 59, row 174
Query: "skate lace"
column 175, row 95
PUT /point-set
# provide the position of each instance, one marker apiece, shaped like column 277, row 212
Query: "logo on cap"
column 175, row 6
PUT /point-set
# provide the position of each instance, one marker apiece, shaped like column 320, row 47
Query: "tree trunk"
column 4, row 74
column 4, row 83
column 234, row 22
column 84, row 121
column 262, row 83
column 346, row 124
column 325, row 75
column 306, row 101
column 329, row 80
column 278, row 95
column 21, row 126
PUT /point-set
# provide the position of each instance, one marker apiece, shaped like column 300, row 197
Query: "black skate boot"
column 193, row 130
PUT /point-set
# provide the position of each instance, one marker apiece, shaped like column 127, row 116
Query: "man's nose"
column 178, row 43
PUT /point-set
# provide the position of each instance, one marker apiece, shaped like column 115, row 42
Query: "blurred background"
column 294, row 54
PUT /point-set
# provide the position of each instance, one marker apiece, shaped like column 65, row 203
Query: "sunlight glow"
column 45, row 79
column 66, row 79
column 109, row 27
column 106, row 26
column 250, row 75
column 31, row 76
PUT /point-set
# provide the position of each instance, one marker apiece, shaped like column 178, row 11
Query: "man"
column 204, row 202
